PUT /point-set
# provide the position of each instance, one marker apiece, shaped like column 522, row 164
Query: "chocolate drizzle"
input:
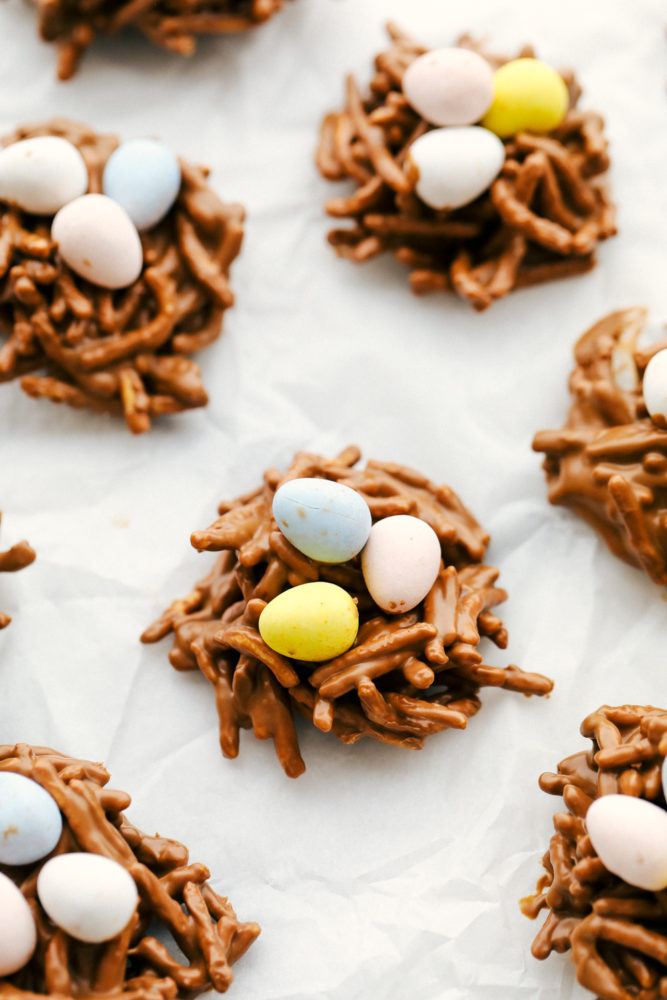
column 120, row 352
column 406, row 676
column 617, row 932
column 174, row 894
column 541, row 219
column 609, row 462
column 12, row 560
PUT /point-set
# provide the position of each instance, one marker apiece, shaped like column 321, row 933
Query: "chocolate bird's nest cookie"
column 406, row 676
column 172, row 24
column 617, row 933
column 541, row 219
column 121, row 352
column 175, row 898
column 609, row 462
column 19, row 556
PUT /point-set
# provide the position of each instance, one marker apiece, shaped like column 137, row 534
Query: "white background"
column 381, row 874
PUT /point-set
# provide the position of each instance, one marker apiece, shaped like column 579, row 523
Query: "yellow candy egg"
column 314, row 622
column 528, row 96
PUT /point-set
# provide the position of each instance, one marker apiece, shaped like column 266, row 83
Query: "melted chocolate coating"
column 12, row 560
column 173, row 893
column 617, row 933
column 609, row 462
column 406, row 676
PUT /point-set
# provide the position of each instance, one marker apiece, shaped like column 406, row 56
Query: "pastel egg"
column 325, row 520
column 630, row 838
column 92, row 898
column 30, row 820
column 664, row 777
column 18, row 934
column 144, row 177
column 41, row 175
column 528, row 96
column 313, row 622
column 449, row 86
column 454, row 166
column 99, row 241
column 400, row 562
column 655, row 388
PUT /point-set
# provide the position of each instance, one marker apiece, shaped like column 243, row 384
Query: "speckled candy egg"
column 18, row 934
column 325, row 520
column 30, row 820
column 528, row 96
column 144, row 177
column 42, row 174
column 313, row 622
column 99, row 241
column 90, row 897
column 449, row 86
column 400, row 562
column 655, row 388
column 455, row 165
column 630, row 838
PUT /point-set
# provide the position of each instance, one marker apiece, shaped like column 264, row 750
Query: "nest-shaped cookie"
column 12, row 560
column 608, row 463
column 175, row 897
column 541, row 219
column 122, row 352
column 617, row 933
column 406, row 676
column 172, row 24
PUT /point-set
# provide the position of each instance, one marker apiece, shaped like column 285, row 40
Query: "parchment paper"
column 381, row 874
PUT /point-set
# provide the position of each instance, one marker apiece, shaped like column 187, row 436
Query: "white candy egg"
column 41, row 175
column 144, row 177
column 449, row 86
column 655, row 388
column 30, row 820
column 455, row 165
column 664, row 777
column 18, row 934
column 325, row 520
column 91, row 897
column 99, row 241
column 400, row 562
column 630, row 838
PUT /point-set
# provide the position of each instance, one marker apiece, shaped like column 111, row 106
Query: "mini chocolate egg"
column 449, row 86
column 400, row 562
column 313, row 622
column 99, row 241
column 655, row 388
column 89, row 896
column 323, row 519
column 18, row 934
column 528, row 96
column 42, row 174
column 630, row 838
column 30, row 820
column 144, row 177
column 455, row 165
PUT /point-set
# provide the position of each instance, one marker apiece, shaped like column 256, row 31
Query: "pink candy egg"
column 449, row 86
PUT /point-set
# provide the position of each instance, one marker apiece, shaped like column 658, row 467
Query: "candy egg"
column 400, row 562
column 449, row 86
column 89, row 896
column 454, row 165
column 630, row 838
column 41, row 175
column 314, row 622
column 18, row 934
column 144, row 177
column 528, row 96
column 30, row 820
column 99, row 241
column 325, row 520
column 655, row 388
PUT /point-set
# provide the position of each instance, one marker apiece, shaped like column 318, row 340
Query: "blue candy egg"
column 30, row 821
column 144, row 177
column 326, row 521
